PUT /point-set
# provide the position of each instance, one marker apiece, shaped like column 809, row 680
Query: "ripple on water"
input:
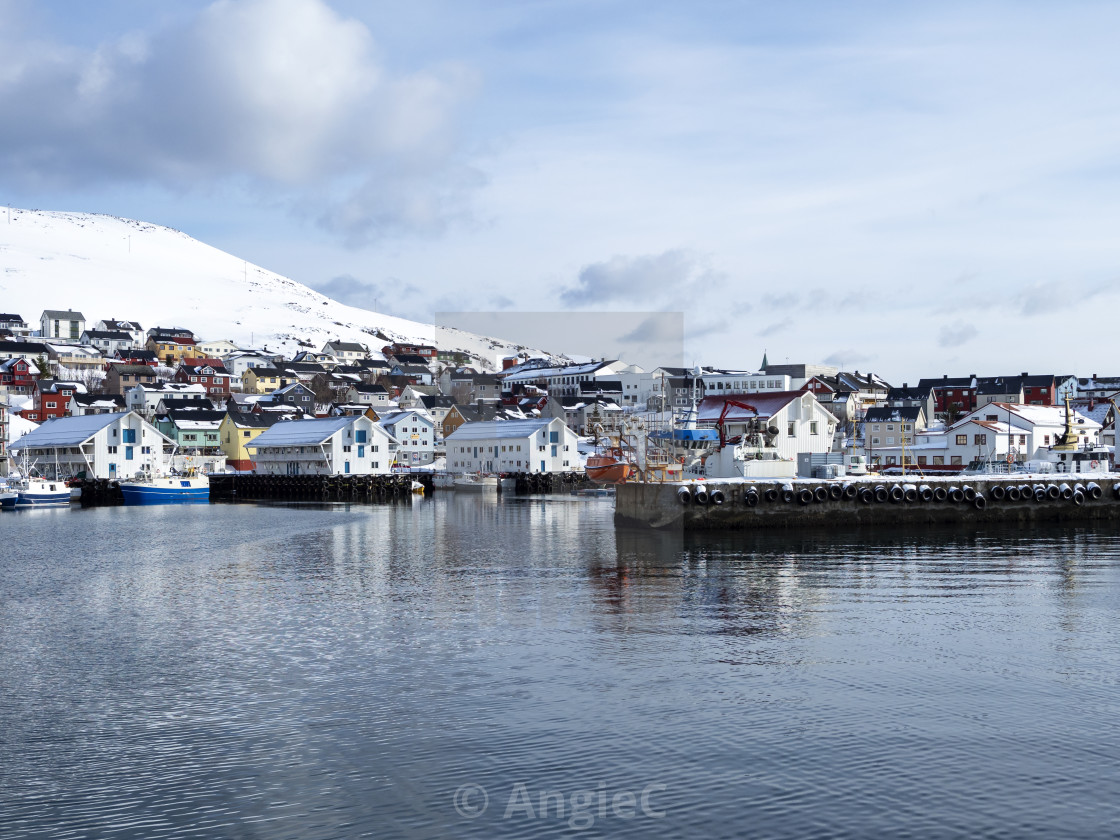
column 245, row 671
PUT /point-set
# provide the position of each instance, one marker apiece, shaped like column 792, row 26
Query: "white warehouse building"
column 116, row 445
column 532, row 446
column 350, row 444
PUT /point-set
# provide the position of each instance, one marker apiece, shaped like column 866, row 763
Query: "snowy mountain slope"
column 108, row 267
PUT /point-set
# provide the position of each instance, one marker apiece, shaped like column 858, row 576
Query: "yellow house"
column 236, row 432
column 170, row 351
column 261, row 380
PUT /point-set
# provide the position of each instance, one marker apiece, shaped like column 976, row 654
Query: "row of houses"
column 120, row 445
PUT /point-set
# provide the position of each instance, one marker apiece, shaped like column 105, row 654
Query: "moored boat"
column 36, row 492
column 476, row 481
column 608, row 467
column 167, row 490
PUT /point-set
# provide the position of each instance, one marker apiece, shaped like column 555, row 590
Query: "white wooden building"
column 116, row 445
column 531, row 446
column 992, row 432
column 415, row 434
column 345, row 445
column 803, row 424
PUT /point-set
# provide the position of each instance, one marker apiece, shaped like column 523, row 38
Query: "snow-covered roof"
column 303, row 432
column 491, row 429
column 67, row 431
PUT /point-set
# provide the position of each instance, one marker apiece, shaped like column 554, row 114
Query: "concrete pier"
column 743, row 504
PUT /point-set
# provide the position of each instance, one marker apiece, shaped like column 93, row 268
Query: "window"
column 890, row 440
column 980, row 440
column 875, row 427
column 955, row 461
column 812, row 427
column 245, row 433
column 921, row 460
column 51, row 405
column 890, row 427
column 962, row 440
column 112, row 450
column 1046, row 440
column 939, row 460
column 791, row 429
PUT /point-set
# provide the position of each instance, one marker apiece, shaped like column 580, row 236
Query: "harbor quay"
column 793, row 503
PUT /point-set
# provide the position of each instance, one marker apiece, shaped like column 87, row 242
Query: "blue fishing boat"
column 167, row 490
column 35, row 492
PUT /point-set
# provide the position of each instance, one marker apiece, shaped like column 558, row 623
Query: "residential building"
column 61, row 325
column 544, row 445
column 415, row 434
column 195, row 432
column 209, row 373
column 81, row 404
column 120, row 377
column 345, row 351
column 108, row 342
column 216, row 348
column 143, row 399
column 993, row 432
column 891, row 426
column 350, row 444
column 51, row 399
column 135, row 331
column 171, row 349
column 237, row 431
column 370, row 395
column 17, row 376
column 803, row 424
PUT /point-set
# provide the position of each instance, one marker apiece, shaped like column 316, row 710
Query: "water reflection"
column 323, row 671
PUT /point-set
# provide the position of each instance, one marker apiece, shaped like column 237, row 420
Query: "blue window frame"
column 360, row 435
column 361, row 451
column 129, row 435
column 346, row 466
column 128, row 453
column 553, row 437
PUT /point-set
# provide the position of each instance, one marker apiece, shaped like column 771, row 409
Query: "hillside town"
column 110, row 398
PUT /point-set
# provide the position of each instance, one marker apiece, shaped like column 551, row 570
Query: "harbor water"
column 482, row 666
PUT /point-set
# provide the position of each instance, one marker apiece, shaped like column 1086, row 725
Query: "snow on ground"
column 109, row 267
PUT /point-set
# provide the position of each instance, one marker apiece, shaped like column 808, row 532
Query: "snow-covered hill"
column 108, row 267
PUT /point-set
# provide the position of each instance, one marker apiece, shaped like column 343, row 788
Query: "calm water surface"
column 469, row 668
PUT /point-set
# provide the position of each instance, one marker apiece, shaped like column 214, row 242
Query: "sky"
column 911, row 189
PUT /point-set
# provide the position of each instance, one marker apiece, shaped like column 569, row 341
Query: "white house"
column 117, row 445
column 350, row 444
column 108, row 342
column 533, row 446
column 345, row 351
column 217, row 348
column 991, row 432
column 139, row 337
column 61, row 324
column 415, row 434
column 145, row 398
column 372, row 395
column 802, row 423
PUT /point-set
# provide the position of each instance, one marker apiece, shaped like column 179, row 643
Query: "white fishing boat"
column 443, row 481
column 476, row 481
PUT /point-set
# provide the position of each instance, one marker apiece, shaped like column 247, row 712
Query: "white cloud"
column 284, row 94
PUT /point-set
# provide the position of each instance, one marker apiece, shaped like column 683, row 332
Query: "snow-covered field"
column 108, row 267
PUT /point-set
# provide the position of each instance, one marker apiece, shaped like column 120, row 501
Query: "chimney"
column 1024, row 373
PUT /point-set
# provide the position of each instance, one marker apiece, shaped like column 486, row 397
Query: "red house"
column 18, row 376
column 209, row 373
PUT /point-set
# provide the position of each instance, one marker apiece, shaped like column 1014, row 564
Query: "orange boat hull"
column 605, row 469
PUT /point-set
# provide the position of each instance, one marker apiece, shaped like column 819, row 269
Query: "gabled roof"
column 394, row 417
column 303, row 432
column 346, row 346
column 889, row 414
column 63, row 314
column 99, row 399
column 29, row 348
column 115, row 335
column 249, row 420
column 363, row 388
column 121, row 367
column 766, row 404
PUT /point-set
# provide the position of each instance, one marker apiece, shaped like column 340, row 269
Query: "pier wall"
column 843, row 502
